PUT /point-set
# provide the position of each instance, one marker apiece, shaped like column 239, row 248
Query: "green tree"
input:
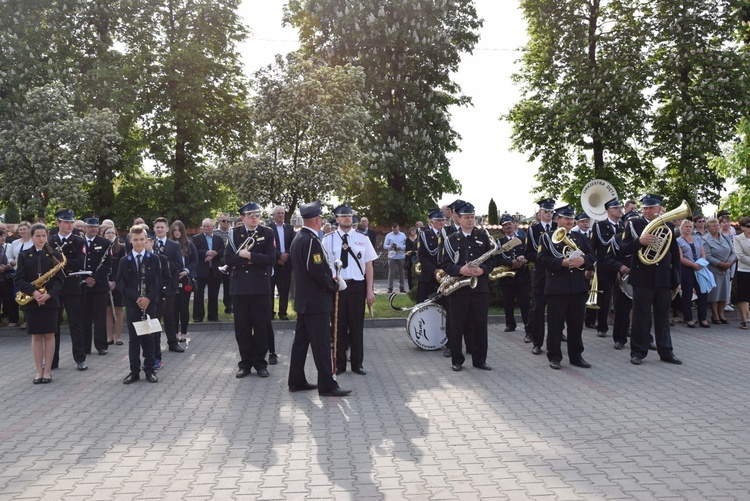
column 735, row 165
column 701, row 91
column 492, row 216
column 12, row 215
column 190, row 93
column 408, row 51
column 308, row 120
column 47, row 151
column 583, row 79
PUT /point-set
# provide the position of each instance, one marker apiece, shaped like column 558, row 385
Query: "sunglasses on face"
column 225, row 221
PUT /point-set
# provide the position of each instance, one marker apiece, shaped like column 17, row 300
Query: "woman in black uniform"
column 42, row 311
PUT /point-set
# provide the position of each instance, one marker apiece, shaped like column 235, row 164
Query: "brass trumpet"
column 593, row 299
column 246, row 245
column 561, row 236
column 663, row 233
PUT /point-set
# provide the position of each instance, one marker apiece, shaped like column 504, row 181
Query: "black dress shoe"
column 102, row 352
column 509, row 329
column 601, row 334
column 37, row 380
column 555, row 365
column 581, row 363
column 131, row 378
column 110, row 342
column 619, row 346
column 262, row 372
column 527, row 339
column 213, row 319
column 177, row 348
column 636, row 360
column 456, row 367
column 283, row 317
column 151, row 377
column 228, row 311
column 589, row 325
column 197, row 320
column 81, row 366
column 303, row 387
column 447, row 353
column 564, row 338
column 46, row 380
column 536, row 350
column 118, row 343
column 338, row 392
column 360, row 371
column 484, row 367
column 242, row 373
column 340, row 371
column 671, row 359
column 273, row 359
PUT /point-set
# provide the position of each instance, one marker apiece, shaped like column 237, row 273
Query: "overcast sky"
column 485, row 167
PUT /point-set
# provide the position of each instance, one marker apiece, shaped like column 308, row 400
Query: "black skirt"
column 41, row 320
column 743, row 286
column 116, row 298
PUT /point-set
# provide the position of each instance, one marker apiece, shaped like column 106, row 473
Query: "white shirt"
column 360, row 246
column 280, row 231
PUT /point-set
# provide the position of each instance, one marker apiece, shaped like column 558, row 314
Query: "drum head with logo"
column 427, row 327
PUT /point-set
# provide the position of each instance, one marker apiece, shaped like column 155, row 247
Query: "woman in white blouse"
column 742, row 249
column 18, row 245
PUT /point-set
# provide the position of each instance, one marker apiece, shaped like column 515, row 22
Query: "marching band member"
column 95, row 287
column 652, row 286
column 515, row 288
column 356, row 253
column 604, row 233
column 313, row 302
column 618, row 263
column 565, row 289
column 468, row 305
column 429, row 247
column 250, row 255
column 139, row 282
column 533, row 241
column 583, row 222
column 65, row 241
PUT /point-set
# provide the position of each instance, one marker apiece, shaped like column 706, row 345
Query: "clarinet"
column 142, row 273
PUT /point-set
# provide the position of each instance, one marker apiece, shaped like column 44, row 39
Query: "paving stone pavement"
column 412, row 428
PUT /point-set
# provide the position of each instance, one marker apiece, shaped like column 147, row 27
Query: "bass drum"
column 426, row 326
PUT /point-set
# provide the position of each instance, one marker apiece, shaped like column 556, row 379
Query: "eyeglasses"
column 746, row 226
column 224, row 221
column 251, row 214
column 701, row 221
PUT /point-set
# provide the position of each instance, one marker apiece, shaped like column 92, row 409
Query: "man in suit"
column 95, row 287
column 515, row 288
column 603, row 235
column 225, row 223
column 652, row 286
column 171, row 249
column 139, row 282
column 210, row 249
column 565, row 289
column 364, row 228
column 313, row 302
column 533, row 240
column 282, row 270
column 72, row 245
column 251, row 289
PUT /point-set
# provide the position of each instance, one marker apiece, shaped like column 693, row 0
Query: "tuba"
column 663, row 233
column 593, row 197
column 23, row 299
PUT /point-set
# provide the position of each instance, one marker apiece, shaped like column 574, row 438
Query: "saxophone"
column 451, row 284
column 23, row 299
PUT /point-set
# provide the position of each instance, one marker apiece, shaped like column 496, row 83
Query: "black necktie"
column 138, row 258
column 345, row 251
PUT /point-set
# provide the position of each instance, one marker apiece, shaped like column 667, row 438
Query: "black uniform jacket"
column 173, row 251
column 253, row 277
column 506, row 258
column 615, row 257
column 74, row 254
column 533, row 241
column 460, row 250
column 601, row 238
column 203, row 270
column 129, row 283
column 93, row 256
column 429, row 253
column 29, row 269
column 313, row 279
column 665, row 273
column 561, row 280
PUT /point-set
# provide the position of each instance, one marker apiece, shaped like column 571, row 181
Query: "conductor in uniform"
column 429, row 248
column 313, row 302
column 652, row 286
column 468, row 305
column 356, row 253
column 565, row 288
column 250, row 254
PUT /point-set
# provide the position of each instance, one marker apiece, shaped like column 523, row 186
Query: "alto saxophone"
column 23, row 299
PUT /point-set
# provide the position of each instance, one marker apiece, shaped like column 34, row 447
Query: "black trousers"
column 623, row 305
column 469, row 310
column 138, row 344
column 72, row 306
column 640, row 332
column 312, row 330
column 537, row 317
column 424, row 289
column 512, row 292
column 565, row 310
column 251, row 317
column 689, row 282
column 351, row 324
column 213, row 285
column 607, row 283
column 181, row 312
column 282, row 280
column 94, row 309
column 8, row 298
column 227, row 299
column 271, row 335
